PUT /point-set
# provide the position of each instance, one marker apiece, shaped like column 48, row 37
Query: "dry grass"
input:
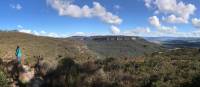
column 51, row 49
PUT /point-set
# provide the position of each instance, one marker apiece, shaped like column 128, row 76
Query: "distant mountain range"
column 176, row 42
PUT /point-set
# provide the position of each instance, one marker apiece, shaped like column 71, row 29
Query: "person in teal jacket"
column 18, row 54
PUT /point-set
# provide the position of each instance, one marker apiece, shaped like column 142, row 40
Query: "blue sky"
column 102, row 17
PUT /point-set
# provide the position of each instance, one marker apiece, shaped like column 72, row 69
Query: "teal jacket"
column 18, row 52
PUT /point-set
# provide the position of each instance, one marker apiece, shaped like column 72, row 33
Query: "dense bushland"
column 156, row 70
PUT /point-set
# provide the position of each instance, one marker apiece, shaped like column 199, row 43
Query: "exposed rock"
column 26, row 74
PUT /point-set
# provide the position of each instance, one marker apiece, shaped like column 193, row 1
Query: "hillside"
column 46, row 47
column 78, row 64
column 81, row 48
column 172, row 68
column 119, row 46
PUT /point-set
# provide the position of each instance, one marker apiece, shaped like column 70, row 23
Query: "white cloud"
column 161, row 31
column 180, row 12
column 67, row 8
column 41, row 33
column 35, row 33
column 25, row 31
column 140, row 31
column 174, row 19
column 154, row 20
column 167, row 30
column 196, row 23
column 156, row 12
column 87, row 12
column 20, row 26
column 148, row 3
column 115, row 30
column 16, row 6
column 79, row 34
column 52, row 35
column 174, row 11
column 117, row 6
column 44, row 33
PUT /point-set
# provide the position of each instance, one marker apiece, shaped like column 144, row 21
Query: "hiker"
column 18, row 55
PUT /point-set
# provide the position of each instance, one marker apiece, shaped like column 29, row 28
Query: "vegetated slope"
column 171, row 68
column 82, row 50
column 122, row 48
column 49, row 48
column 157, row 70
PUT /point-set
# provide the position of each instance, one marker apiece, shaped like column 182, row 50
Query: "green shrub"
column 3, row 79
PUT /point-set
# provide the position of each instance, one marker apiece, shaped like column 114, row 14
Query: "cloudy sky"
column 61, row 18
